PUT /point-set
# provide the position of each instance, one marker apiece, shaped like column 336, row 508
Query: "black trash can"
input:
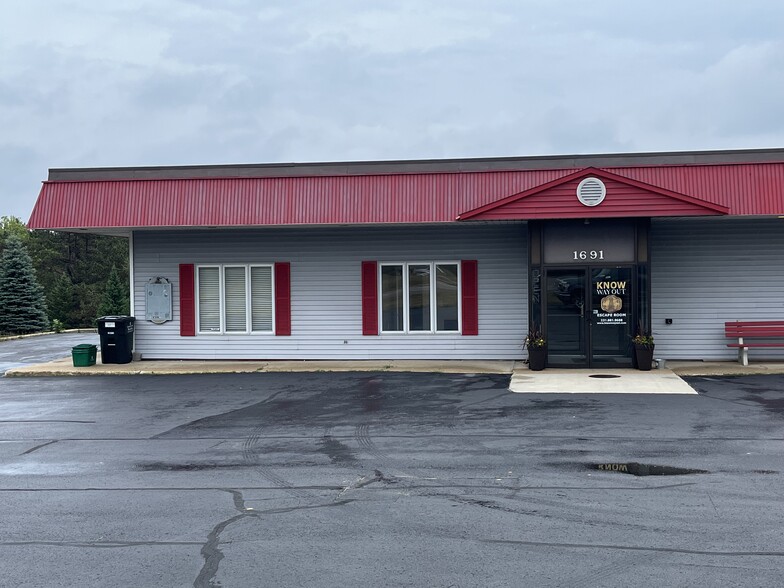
column 116, row 333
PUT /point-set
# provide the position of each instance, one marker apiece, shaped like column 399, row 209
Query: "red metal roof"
column 741, row 189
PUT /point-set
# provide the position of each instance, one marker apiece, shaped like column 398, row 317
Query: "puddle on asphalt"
column 644, row 469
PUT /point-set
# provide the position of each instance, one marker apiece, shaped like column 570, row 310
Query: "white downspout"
column 136, row 356
column 130, row 271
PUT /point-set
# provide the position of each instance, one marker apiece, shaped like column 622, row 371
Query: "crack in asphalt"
column 363, row 481
column 581, row 437
column 33, row 421
column 37, row 447
column 491, row 504
column 490, row 486
column 726, row 567
column 288, row 509
column 211, row 552
column 633, row 548
column 97, row 544
column 239, row 500
column 162, row 489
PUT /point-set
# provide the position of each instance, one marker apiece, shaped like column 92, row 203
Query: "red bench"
column 742, row 330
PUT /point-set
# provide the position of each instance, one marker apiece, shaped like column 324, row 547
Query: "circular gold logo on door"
column 611, row 303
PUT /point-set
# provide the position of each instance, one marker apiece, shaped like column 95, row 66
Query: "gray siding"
column 708, row 271
column 326, row 290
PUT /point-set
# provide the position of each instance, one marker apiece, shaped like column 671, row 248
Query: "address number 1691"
column 588, row 254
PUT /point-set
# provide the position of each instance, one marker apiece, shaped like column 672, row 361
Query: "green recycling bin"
column 84, row 355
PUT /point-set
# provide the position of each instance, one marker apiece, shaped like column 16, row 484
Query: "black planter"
column 644, row 356
column 537, row 358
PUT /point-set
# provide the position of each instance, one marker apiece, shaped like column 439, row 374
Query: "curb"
column 151, row 370
column 28, row 335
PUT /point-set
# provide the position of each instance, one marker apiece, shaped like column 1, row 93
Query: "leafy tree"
column 115, row 296
column 11, row 225
column 22, row 306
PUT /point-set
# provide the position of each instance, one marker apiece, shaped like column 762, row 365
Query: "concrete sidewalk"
column 630, row 381
column 579, row 381
column 64, row 367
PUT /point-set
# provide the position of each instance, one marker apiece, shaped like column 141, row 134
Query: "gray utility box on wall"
column 158, row 301
column 116, row 333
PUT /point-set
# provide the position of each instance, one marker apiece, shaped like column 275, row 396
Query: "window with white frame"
column 234, row 298
column 420, row 297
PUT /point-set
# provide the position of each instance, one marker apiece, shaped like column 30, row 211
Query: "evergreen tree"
column 61, row 301
column 22, row 306
column 115, row 296
column 72, row 269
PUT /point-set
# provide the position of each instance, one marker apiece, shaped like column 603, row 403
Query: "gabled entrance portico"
column 590, row 274
column 591, row 277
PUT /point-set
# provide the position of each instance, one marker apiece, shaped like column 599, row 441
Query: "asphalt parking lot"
column 387, row 479
column 27, row 351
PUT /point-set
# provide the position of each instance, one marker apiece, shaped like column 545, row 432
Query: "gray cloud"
column 153, row 82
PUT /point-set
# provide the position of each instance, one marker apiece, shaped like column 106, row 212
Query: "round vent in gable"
column 591, row 191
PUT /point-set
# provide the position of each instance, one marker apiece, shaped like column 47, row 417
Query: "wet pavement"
column 27, row 351
column 387, row 479
column 50, row 355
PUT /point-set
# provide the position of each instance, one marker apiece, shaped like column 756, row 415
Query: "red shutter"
column 283, row 298
column 187, row 301
column 369, row 298
column 470, row 296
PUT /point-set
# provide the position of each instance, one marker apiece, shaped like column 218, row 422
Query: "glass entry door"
column 565, row 318
column 588, row 316
column 611, row 316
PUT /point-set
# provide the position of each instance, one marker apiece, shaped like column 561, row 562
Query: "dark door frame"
column 586, row 343
column 640, row 274
column 588, row 303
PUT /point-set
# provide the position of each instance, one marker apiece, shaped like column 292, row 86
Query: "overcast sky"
column 157, row 82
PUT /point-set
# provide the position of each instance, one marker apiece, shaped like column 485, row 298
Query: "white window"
column 235, row 299
column 235, row 296
column 261, row 298
column 208, row 294
column 420, row 297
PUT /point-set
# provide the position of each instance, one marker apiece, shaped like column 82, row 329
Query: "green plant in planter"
column 643, row 348
column 536, row 345
column 535, row 338
column 643, row 339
